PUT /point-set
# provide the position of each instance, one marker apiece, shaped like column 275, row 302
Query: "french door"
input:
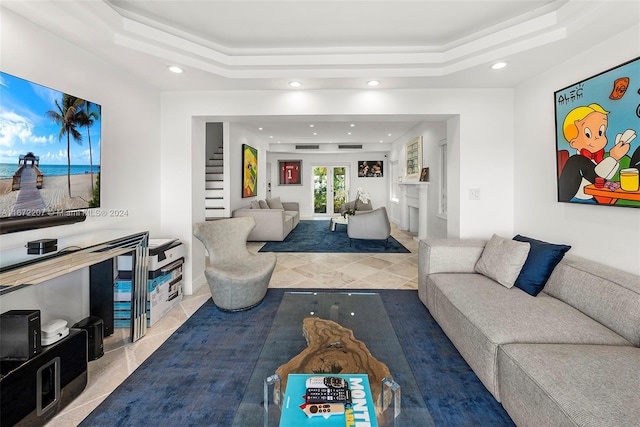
column 330, row 184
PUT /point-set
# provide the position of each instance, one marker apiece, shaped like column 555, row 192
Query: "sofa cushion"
column 255, row 204
column 263, row 204
column 606, row 294
column 502, row 259
column 542, row 259
column 570, row 385
column 479, row 315
column 275, row 203
column 295, row 217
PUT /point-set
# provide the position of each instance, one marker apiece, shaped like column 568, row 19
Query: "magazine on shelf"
column 330, row 413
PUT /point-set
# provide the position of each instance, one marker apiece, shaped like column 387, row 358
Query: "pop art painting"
column 598, row 151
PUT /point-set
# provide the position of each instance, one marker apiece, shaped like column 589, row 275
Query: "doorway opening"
column 330, row 184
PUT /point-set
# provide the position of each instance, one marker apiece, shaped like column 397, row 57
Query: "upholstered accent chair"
column 238, row 279
column 373, row 225
column 358, row 207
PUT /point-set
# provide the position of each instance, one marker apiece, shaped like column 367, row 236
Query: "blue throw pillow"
column 542, row 259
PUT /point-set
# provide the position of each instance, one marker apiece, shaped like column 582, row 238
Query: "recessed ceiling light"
column 499, row 65
column 175, row 69
column 348, row 133
column 388, row 134
column 381, row 141
column 311, row 126
column 352, row 125
column 295, row 84
column 315, row 133
column 259, row 128
column 373, row 83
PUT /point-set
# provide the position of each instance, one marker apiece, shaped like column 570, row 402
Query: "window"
column 442, row 208
column 394, row 176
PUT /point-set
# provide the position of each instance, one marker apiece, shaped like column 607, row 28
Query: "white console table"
column 99, row 258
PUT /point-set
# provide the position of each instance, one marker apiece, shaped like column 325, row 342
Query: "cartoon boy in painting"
column 585, row 129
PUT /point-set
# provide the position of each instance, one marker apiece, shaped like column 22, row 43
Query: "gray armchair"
column 361, row 206
column 372, row 225
column 238, row 279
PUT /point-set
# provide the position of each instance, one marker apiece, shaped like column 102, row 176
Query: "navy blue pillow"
column 542, row 259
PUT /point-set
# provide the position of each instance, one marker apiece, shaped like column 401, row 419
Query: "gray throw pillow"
column 263, row 204
column 275, row 203
column 502, row 259
column 255, row 204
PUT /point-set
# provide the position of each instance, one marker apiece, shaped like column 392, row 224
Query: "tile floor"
column 293, row 270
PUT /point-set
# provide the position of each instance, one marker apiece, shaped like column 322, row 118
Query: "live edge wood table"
column 99, row 258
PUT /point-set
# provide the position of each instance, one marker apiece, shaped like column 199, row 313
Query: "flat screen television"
column 50, row 144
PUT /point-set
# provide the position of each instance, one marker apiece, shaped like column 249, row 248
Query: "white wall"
column 485, row 127
column 610, row 235
column 130, row 123
column 239, row 135
column 432, row 133
column 377, row 188
column 130, row 138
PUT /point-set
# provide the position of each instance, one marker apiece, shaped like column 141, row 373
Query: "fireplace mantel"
column 414, row 195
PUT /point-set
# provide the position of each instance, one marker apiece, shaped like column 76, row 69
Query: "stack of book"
column 330, row 400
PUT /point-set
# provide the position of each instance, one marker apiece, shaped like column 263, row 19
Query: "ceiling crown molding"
column 153, row 38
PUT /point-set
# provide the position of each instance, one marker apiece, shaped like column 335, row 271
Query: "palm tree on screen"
column 69, row 117
column 90, row 118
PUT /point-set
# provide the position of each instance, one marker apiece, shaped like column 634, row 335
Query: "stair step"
column 214, row 203
column 211, row 213
column 216, row 207
column 214, row 185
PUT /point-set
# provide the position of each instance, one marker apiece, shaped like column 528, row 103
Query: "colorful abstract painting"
column 249, row 171
column 597, row 149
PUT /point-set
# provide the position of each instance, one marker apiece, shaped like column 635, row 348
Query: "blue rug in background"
column 315, row 236
column 199, row 375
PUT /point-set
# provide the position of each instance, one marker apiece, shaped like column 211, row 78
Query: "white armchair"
column 373, row 225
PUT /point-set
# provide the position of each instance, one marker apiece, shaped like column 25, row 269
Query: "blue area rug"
column 315, row 236
column 199, row 375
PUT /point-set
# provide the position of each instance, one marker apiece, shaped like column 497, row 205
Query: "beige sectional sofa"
column 569, row 356
column 274, row 219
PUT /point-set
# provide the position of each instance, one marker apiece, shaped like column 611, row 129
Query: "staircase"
column 214, row 202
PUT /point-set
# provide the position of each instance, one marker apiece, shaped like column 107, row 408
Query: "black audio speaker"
column 95, row 335
column 20, row 334
column 33, row 392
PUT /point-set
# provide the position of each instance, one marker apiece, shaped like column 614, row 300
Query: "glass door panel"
column 339, row 188
column 320, row 190
column 329, row 189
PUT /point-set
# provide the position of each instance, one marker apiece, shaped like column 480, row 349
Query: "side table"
column 338, row 220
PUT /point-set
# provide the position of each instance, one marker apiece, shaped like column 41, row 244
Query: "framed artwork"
column 413, row 156
column 597, row 149
column 370, row 169
column 424, row 175
column 290, row 172
column 249, row 171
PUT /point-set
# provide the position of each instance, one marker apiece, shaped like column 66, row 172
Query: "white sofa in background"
column 274, row 219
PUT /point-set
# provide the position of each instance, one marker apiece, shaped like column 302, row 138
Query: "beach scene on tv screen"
column 49, row 150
